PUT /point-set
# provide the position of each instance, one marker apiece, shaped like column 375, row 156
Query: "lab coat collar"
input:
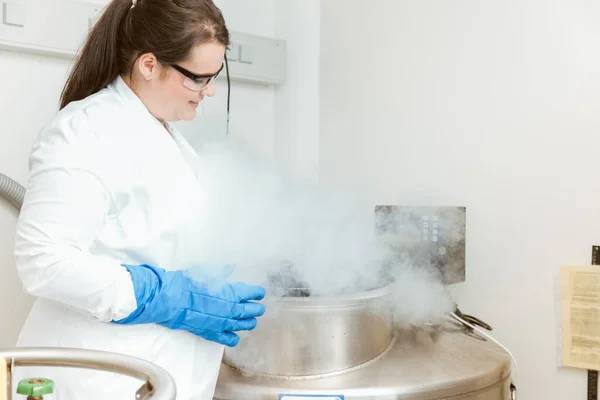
column 131, row 99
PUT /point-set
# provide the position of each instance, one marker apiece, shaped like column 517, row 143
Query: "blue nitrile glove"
column 173, row 299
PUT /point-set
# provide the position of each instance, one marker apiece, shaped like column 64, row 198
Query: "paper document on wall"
column 580, row 292
column 3, row 379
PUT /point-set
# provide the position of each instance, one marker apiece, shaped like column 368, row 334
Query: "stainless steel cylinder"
column 316, row 336
column 424, row 364
column 159, row 383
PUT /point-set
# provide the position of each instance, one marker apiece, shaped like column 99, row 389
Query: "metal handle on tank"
column 159, row 385
column 513, row 392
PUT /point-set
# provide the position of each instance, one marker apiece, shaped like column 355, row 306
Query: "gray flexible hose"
column 12, row 191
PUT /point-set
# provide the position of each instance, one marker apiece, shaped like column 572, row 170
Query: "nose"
column 209, row 90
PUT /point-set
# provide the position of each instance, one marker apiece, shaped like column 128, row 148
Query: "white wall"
column 24, row 107
column 297, row 102
column 29, row 97
column 490, row 105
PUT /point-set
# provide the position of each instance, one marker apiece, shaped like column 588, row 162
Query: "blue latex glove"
column 173, row 299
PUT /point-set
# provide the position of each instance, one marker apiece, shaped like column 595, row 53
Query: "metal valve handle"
column 159, row 383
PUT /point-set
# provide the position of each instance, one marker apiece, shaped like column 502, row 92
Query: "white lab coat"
column 108, row 185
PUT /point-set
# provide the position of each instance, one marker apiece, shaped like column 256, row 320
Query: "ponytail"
column 98, row 64
column 168, row 29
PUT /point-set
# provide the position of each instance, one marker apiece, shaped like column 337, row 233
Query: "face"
column 173, row 93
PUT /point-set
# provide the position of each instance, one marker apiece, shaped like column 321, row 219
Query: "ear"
column 147, row 65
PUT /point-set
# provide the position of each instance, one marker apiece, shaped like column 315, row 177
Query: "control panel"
column 421, row 235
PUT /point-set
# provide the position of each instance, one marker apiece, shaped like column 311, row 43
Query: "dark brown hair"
column 167, row 28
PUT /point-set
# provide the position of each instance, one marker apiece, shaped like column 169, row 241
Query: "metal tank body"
column 419, row 366
column 344, row 347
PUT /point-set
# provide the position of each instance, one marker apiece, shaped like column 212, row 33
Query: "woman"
column 101, row 239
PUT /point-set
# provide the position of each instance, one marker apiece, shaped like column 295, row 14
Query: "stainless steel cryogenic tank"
column 344, row 347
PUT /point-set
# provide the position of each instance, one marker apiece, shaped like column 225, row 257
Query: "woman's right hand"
column 212, row 311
